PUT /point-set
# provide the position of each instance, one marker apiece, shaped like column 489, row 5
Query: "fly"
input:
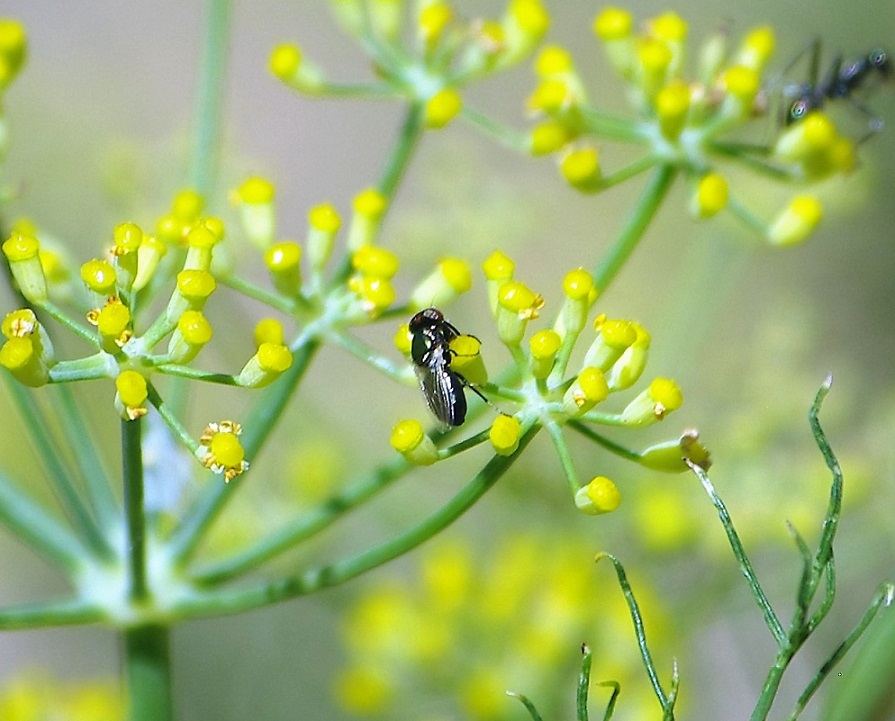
column 432, row 355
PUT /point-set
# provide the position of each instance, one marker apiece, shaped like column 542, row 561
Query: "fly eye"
column 798, row 110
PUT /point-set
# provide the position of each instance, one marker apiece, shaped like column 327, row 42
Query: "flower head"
column 220, row 450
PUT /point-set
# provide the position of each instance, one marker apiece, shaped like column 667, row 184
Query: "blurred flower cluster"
column 470, row 625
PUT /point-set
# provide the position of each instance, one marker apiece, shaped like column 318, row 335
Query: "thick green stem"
column 132, row 463
column 639, row 220
column 148, row 666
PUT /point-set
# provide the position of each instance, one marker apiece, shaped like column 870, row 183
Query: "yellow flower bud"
column 797, row 221
column 323, row 224
column 369, row 207
column 588, row 389
column 672, row 107
column 409, row 439
column 221, row 451
column 581, row 169
column 467, row 360
column 598, row 497
column 442, row 108
column 257, row 211
column 710, row 197
column 23, row 253
column 269, row 330
column 543, row 345
column 150, row 252
column 192, row 333
column 450, row 279
column 131, row 394
column 504, row 434
column 653, row 404
column 283, row 260
column 269, row 362
column 287, row 64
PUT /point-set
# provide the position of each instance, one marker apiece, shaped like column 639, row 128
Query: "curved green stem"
column 638, row 221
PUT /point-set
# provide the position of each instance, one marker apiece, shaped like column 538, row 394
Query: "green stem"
column 177, row 428
column 773, row 623
column 565, row 457
column 57, row 470
column 402, row 152
column 230, row 601
column 33, row 525
column 208, row 111
column 96, row 480
column 304, row 527
column 132, row 467
column 640, row 218
column 606, row 443
column 771, row 685
column 666, row 701
column 148, row 664
column 507, row 137
column 286, row 306
column 50, row 614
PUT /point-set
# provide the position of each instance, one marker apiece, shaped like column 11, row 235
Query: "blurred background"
column 100, row 123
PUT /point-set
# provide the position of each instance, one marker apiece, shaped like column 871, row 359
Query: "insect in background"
column 431, row 352
column 844, row 80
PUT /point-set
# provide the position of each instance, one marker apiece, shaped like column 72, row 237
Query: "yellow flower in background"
column 474, row 620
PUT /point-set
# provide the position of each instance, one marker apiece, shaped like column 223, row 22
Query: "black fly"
column 431, row 353
column 843, row 80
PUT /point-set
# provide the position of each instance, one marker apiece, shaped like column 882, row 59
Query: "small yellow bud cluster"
column 815, row 147
column 27, row 352
column 450, row 52
column 272, row 357
column 550, row 397
column 186, row 210
column 374, row 269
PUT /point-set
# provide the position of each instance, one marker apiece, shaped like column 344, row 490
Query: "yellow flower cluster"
column 427, row 64
column 685, row 122
column 547, row 394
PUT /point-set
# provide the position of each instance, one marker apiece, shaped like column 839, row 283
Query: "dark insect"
column 431, row 353
column 843, row 81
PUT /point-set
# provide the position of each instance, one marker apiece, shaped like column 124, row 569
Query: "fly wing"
column 443, row 391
